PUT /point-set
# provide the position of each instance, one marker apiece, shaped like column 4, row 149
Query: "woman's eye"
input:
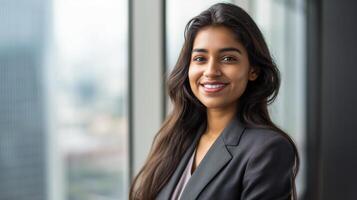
column 199, row 59
column 229, row 59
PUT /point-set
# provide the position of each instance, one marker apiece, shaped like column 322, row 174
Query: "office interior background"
column 82, row 91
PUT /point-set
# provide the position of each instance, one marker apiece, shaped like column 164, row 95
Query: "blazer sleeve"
column 269, row 171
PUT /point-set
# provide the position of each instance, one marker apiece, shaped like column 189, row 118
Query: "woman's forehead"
column 215, row 38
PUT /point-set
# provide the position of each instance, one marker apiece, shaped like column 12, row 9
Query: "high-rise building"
column 22, row 135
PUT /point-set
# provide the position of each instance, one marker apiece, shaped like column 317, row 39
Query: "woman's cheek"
column 193, row 75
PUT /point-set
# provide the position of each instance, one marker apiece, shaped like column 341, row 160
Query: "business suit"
column 243, row 163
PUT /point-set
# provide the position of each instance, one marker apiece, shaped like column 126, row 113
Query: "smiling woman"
column 219, row 70
column 219, row 141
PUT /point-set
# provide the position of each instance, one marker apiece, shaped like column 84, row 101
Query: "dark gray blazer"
column 243, row 163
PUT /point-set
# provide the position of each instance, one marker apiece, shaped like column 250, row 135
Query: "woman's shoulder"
column 262, row 134
column 260, row 140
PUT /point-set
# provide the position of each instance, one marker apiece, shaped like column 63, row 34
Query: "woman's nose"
column 212, row 69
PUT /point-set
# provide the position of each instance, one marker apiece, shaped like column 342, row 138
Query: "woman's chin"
column 217, row 105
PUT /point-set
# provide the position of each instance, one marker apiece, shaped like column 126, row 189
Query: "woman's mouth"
column 213, row 87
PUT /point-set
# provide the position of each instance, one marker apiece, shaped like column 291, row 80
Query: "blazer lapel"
column 168, row 189
column 216, row 158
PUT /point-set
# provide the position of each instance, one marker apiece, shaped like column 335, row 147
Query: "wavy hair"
column 188, row 114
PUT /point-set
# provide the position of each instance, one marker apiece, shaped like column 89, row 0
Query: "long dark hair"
column 188, row 114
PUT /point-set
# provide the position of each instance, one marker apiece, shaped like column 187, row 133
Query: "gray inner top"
column 186, row 175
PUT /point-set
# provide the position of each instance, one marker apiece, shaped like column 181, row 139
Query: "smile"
column 213, row 87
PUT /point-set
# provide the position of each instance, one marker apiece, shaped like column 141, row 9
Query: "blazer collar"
column 216, row 158
column 168, row 189
column 233, row 132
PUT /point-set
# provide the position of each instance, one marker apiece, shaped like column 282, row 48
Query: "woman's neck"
column 217, row 120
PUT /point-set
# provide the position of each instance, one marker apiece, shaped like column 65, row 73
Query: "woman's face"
column 219, row 68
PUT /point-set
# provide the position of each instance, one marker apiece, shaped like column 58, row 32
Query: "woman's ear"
column 253, row 73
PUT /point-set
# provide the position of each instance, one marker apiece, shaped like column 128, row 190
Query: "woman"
column 219, row 141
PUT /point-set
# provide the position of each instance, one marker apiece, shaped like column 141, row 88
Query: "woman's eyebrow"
column 199, row 50
column 230, row 49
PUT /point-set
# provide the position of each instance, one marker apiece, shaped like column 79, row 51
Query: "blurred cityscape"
column 63, row 116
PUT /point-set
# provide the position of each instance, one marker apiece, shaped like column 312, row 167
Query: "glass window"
column 87, row 98
column 63, row 99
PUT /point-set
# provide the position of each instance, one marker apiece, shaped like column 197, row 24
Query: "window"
column 86, row 72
